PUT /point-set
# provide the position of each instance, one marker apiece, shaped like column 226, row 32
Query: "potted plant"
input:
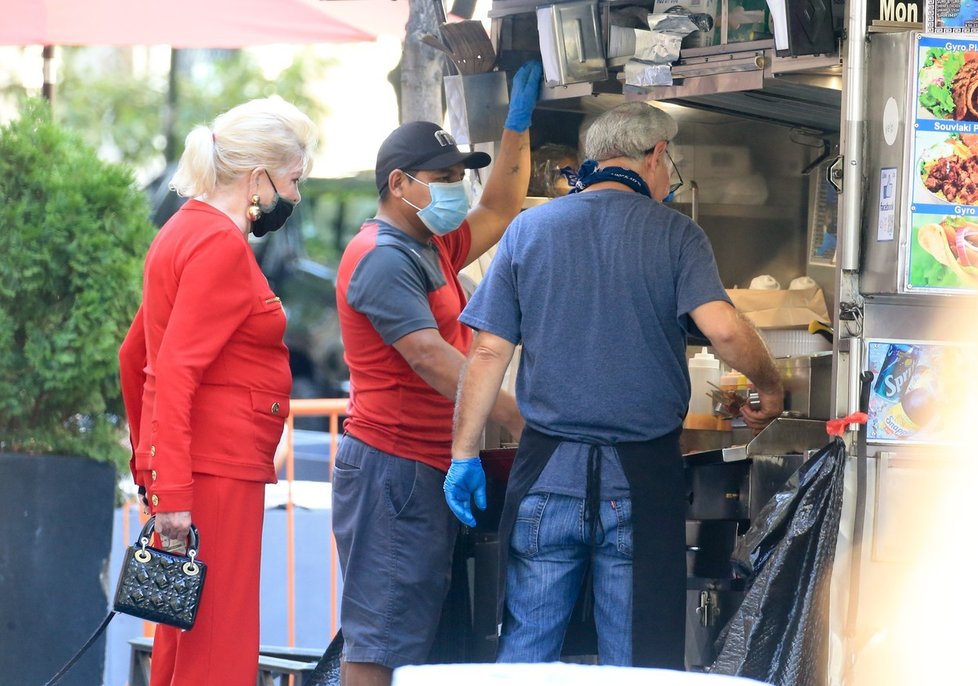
column 73, row 233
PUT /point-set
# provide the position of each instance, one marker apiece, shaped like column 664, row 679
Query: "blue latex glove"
column 526, row 92
column 464, row 480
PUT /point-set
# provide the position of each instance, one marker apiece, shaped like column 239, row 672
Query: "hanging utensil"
column 435, row 42
column 470, row 46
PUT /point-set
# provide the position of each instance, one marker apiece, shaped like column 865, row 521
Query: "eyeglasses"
column 676, row 185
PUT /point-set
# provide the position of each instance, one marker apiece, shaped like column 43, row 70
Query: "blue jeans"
column 548, row 558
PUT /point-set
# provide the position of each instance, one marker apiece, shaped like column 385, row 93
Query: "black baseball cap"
column 422, row 145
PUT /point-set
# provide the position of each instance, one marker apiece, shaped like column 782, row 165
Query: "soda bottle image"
column 896, row 371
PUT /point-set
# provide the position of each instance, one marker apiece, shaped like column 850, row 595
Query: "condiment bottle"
column 704, row 377
column 729, row 383
column 729, row 380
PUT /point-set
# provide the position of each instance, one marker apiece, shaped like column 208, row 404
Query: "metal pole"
column 47, row 88
column 854, row 129
column 290, row 532
column 851, row 199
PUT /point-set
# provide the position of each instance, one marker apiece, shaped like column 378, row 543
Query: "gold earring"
column 254, row 210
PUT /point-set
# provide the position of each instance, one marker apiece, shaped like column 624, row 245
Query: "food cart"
column 829, row 140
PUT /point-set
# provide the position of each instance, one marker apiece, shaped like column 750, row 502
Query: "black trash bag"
column 327, row 671
column 779, row 635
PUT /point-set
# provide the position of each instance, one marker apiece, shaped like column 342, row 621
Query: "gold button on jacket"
column 156, row 500
column 275, row 408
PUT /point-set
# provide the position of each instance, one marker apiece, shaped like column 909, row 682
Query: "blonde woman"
column 205, row 376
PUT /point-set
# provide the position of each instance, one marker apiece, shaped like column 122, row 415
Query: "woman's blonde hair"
column 268, row 132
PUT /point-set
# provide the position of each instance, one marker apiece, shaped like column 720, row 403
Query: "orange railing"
column 334, row 408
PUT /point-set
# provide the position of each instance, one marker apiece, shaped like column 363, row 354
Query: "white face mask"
column 448, row 207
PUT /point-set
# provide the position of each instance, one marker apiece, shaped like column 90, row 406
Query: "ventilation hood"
column 755, row 83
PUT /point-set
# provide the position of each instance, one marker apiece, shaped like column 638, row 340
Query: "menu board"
column 912, row 381
column 946, row 16
column 942, row 250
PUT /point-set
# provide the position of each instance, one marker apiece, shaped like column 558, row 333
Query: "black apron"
column 654, row 470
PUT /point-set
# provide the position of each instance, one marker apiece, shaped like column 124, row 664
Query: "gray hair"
column 629, row 130
column 267, row 132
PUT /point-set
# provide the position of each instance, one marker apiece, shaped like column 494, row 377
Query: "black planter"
column 55, row 536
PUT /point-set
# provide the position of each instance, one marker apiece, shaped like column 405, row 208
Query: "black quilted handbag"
column 159, row 586
column 154, row 585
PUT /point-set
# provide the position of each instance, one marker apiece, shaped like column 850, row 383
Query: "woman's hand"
column 173, row 529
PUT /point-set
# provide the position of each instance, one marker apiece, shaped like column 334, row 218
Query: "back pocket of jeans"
column 526, row 530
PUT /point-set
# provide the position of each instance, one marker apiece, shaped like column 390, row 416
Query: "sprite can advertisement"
column 911, row 378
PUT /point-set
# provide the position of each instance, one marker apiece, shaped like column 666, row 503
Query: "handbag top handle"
column 193, row 542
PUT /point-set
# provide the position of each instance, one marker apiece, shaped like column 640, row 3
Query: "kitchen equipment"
column 571, row 43
column 726, row 489
column 807, row 384
column 790, row 341
column 435, row 42
column 470, row 47
column 477, row 106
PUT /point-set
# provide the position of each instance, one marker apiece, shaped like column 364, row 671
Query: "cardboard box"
column 779, row 309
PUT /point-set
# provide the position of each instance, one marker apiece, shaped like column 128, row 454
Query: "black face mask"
column 274, row 216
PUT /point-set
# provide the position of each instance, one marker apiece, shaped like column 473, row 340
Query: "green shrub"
column 73, row 234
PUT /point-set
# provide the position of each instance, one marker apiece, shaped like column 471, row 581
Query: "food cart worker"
column 600, row 287
column 399, row 298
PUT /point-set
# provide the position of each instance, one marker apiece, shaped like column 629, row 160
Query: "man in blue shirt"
column 601, row 288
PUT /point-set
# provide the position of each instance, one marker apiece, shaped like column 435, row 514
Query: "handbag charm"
column 159, row 586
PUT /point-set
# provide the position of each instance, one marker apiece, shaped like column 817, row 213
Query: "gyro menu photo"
column 942, row 254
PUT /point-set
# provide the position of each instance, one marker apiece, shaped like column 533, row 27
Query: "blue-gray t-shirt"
column 598, row 287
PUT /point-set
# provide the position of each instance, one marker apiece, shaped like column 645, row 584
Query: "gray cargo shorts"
column 395, row 536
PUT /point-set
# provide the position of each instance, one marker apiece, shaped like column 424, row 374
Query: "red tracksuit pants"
column 222, row 647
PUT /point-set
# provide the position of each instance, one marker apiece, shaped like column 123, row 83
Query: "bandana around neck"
column 589, row 174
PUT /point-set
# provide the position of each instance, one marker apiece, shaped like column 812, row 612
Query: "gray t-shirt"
column 598, row 287
column 391, row 283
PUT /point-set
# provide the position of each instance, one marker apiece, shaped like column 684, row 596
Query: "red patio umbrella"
column 178, row 23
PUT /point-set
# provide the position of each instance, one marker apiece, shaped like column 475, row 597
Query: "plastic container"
column 733, row 381
column 704, row 376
